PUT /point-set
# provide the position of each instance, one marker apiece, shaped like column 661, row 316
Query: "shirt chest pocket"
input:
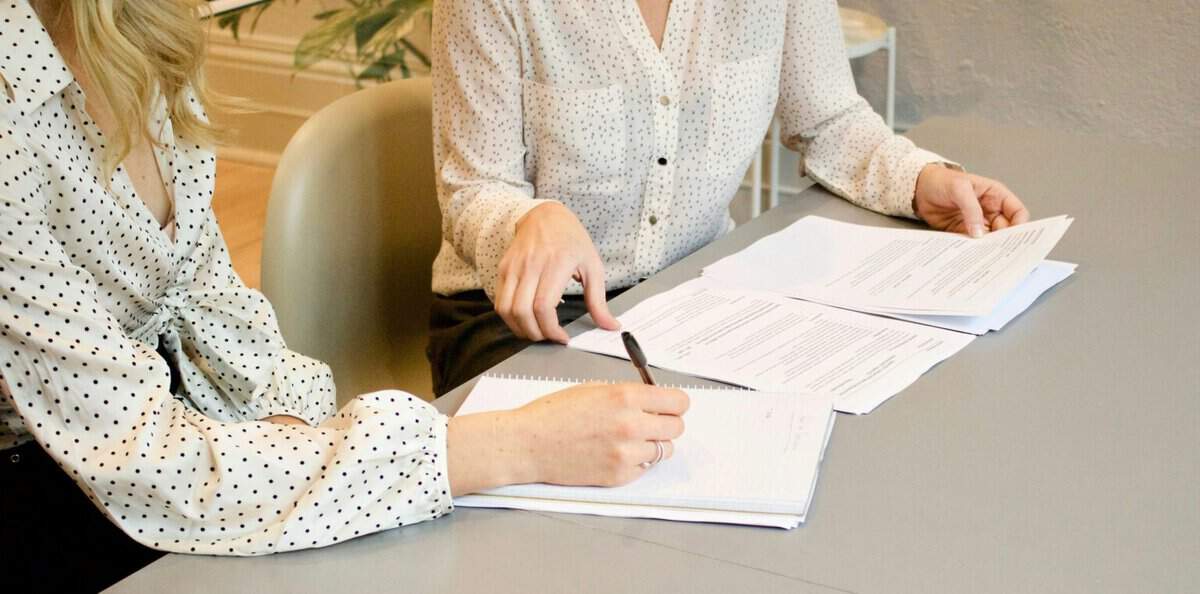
column 741, row 104
column 575, row 140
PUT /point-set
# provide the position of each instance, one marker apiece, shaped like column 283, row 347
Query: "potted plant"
column 372, row 35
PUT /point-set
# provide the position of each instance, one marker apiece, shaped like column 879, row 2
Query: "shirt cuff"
column 909, row 171
column 440, row 464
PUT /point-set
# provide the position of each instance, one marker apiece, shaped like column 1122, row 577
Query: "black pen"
column 638, row 357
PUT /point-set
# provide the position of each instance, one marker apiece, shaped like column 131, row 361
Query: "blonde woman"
column 148, row 399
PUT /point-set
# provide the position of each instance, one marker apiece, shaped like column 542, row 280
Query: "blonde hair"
column 136, row 50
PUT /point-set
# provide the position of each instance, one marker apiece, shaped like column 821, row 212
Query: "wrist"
column 516, row 448
column 488, row 450
column 544, row 209
column 922, row 179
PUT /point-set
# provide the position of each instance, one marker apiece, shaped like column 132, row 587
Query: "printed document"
column 766, row 341
column 882, row 270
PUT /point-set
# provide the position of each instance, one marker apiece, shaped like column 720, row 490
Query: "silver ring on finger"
column 658, row 456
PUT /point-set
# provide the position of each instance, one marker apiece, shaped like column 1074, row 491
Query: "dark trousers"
column 52, row 538
column 467, row 336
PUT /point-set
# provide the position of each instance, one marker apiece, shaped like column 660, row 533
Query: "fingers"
column 545, row 303
column 1001, row 207
column 529, row 292
column 1014, row 210
column 592, row 276
column 528, row 300
column 662, row 427
column 964, row 197
column 522, row 304
column 663, row 401
column 503, row 304
column 648, row 451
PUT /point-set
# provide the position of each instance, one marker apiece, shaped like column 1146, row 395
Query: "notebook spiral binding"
column 575, row 380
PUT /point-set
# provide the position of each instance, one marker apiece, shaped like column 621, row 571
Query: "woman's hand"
column 951, row 200
column 594, row 434
column 550, row 248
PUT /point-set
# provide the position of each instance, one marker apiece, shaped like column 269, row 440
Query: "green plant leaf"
column 376, row 30
column 420, row 55
column 371, row 24
column 231, row 21
column 379, row 69
column 326, row 40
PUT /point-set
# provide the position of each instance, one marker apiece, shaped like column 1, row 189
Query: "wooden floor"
column 240, row 202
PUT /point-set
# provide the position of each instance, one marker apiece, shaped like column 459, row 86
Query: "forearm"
column 846, row 146
column 858, row 158
column 488, row 450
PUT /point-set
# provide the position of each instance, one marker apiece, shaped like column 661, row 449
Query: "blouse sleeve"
column 479, row 148
column 225, row 340
column 169, row 476
column 845, row 145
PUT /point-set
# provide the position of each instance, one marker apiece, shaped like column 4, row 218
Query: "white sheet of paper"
column 678, row 514
column 1047, row 274
column 742, row 452
column 766, row 341
column 875, row 269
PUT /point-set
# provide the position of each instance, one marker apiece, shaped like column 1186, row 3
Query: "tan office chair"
column 352, row 229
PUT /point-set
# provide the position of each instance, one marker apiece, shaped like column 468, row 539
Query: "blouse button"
column 653, row 219
column 664, row 100
column 15, row 458
column 662, row 160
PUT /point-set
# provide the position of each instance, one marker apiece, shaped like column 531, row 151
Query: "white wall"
column 1129, row 68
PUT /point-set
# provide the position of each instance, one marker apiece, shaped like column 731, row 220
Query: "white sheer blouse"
column 92, row 287
column 573, row 102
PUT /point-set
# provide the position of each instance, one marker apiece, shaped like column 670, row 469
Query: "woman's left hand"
column 950, row 200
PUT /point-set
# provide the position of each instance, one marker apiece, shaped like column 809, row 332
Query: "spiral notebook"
column 745, row 458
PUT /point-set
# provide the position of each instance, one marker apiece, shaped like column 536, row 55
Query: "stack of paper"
column 765, row 341
column 918, row 275
column 744, row 458
column 1043, row 278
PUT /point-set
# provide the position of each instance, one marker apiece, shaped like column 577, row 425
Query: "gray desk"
column 1061, row 455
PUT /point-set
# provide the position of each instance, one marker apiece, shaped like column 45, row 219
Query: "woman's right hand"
column 599, row 434
column 549, row 249
column 593, row 434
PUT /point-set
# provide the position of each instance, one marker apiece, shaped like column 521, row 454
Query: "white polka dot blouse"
column 573, row 102
column 92, row 287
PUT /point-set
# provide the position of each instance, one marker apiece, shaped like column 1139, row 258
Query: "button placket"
column 662, row 101
column 660, row 181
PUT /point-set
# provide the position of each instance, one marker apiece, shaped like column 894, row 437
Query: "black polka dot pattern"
column 573, row 102
column 91, row 284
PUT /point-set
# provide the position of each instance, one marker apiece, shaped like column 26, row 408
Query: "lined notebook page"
column 741, row 451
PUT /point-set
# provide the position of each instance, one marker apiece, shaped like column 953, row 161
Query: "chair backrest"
column 352, row 229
